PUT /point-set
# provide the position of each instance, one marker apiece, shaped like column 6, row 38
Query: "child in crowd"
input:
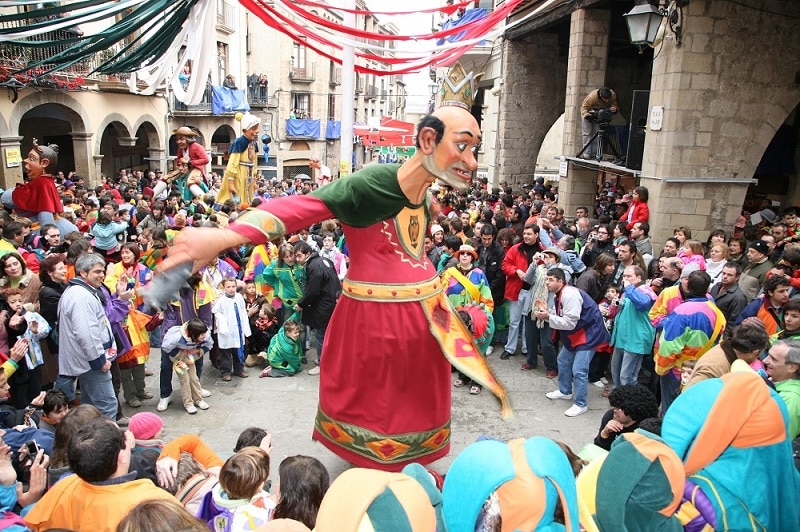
column 56, row 406
column 609, row 306
column 612, row 295
column 303, row 482
column 692, row 252
column 147, row 429
column 284, row 352
column 25, row 382
column 233, row 328
column 250, row 437
column 264, row 328
column 686, row 372
column 105, row 233
column 184, row 344
column 451, row 245
column 239, row 502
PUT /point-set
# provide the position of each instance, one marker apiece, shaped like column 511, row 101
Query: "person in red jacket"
column 638, row 211
column 515, row 264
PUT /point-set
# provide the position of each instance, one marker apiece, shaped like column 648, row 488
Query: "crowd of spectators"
column 588, row 291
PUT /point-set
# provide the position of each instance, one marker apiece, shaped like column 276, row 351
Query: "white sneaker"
column 163, row 403
column 204, row 393
column 489, row 350
column 576, row 410
column 599, row 384
column 314, row 371
column 556, row 394
column 191, row 409
column 202, row 405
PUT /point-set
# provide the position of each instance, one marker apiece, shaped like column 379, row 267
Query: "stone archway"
column 221, row 141
column 115, row 155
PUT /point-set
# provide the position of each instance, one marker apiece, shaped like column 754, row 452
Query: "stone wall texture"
column 533, row 98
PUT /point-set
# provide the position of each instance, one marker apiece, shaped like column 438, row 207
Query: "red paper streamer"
column 444, row 9
column 270, row 16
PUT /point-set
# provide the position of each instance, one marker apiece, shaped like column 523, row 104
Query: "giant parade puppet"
column 38, row 199
column 384, row 396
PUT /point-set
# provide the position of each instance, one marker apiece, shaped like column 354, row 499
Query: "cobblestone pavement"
column 286, row 408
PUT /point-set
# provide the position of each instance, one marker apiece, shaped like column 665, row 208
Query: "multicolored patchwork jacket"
column 693, row 328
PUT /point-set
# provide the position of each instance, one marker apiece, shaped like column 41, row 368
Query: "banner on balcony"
column 473, row 15
column 296, row 127
column 333, row 130
column 225, row 100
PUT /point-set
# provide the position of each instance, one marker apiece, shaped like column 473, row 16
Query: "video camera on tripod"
column 601, row 116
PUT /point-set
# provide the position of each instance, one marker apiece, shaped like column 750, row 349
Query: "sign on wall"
column 13, row 157
column 656, row 117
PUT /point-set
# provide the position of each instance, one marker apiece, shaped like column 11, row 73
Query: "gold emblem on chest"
column 410, row 227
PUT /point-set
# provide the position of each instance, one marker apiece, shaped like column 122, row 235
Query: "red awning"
column 390, row 132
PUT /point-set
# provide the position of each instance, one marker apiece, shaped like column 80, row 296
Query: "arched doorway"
column 221, row 142
column 116, row 157
column 52, row 124
column 778, row 184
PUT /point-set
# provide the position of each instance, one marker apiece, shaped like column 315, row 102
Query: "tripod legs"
column 601, row 136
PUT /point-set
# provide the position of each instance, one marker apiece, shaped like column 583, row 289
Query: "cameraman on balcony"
column 595, row 110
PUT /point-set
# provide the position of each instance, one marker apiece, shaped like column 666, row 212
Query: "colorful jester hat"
column 458, row 88
column 731, row 435
column 528, row 477
column 367, row 500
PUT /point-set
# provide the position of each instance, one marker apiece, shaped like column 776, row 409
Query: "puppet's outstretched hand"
column 199, row 245
column 193, row 248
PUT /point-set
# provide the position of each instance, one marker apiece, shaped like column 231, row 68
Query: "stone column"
column 97, row 172
column 10, row 176
column 158, row 160
column 721, row 108
column 586, row 71
column 532, row 98
column 127, row 142
column 82, row 150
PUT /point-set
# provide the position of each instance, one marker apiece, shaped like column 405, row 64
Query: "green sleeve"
column 365, row 197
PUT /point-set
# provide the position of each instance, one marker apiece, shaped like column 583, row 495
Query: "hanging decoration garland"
column 145, row 37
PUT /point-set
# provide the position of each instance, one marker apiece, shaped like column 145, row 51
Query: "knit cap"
column 145, row 425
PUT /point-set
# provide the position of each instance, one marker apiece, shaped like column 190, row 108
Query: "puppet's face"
column 251, row 133
column 35, row 165
column 453, row 159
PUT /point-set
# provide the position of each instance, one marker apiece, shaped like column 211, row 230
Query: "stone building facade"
column 102, row 127
column 725, row 91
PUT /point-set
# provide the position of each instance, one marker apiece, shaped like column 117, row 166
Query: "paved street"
column 286, row 408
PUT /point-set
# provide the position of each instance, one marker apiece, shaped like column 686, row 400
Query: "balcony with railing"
column 226, row 16
column 303, row 74
column 15, row 59
column 203, row 107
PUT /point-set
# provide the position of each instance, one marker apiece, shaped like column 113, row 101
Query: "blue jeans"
column 670, row 387
column 319, row 338
column 625, row 367
column 98, row 390
column 534, row 337
column 516, row 326
column 66, row 384
column 573, row 369
column 165, row 377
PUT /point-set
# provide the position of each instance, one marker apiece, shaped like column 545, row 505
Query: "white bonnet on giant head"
column 248, row 120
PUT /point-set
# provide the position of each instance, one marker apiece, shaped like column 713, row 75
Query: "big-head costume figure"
column 384, row 397
column 38, row 199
